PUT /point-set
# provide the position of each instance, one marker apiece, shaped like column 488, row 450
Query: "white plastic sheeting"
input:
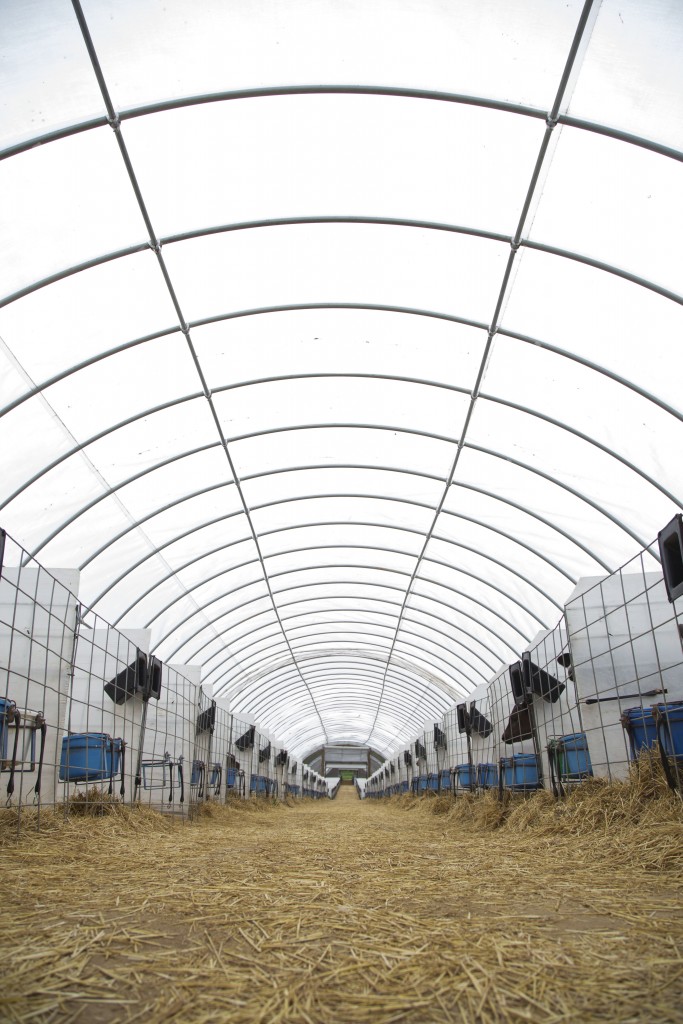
column 339, row 340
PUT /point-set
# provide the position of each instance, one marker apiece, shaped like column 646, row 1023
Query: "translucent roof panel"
column 338, row 341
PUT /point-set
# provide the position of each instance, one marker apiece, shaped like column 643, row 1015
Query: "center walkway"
column 334, row 912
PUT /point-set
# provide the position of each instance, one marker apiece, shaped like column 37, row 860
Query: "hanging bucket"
column 433, row 782
column 640, row 728
column 669, row 722
column 520, row 772
column 231, row 777
column 7, row 709
column 422, row 784
column 89, row 757
column 258, row 785
column 464, row 776
column 574, row 761
column 445, row 777
column 197, row 776
column 487, row 776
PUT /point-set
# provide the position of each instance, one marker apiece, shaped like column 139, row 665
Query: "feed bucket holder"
column 519, row 773
column 157, row 774
column 487, row 775
column 641, row 729
column 92, row 757
column 668, row 720
column 216, row 777
column 18, row 743
column 198, row 776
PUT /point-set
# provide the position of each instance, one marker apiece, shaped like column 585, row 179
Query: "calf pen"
column 168, row 860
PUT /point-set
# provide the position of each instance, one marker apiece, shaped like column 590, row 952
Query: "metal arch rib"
column 360, row 306
column 474, row 232
column 398, row 92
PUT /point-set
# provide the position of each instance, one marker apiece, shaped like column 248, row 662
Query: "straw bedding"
column 348, row 912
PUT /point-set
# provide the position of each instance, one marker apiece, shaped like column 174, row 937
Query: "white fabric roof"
column 340, row 338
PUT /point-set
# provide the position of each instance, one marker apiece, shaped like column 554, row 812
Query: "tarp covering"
column 339, row 339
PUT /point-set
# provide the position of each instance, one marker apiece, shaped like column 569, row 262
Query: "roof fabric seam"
column 551, row 121
column 116, row 125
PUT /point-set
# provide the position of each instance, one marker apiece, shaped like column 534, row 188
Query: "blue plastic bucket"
column 89, row 757
column 640, row 728
column 433, row 782
column 258, row 785
column 445, row 778
column 215, row 773
column 422, row 784
column 520, row 772
column 231, row 777
column 197, row 772
column 6, row 709
column 671, row 728
column 575, row 761
column 487, row 775
column 464, row 776
column 404, row 786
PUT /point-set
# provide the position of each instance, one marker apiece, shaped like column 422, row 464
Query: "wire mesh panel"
column 457, row 753
column 167, row 745
column 513, row 737
column 480, row 769
column 38, row 616
column 554, row 712
column 105, row 711
column 241, row 749
column 404, row 770
column 294, row 785
column 625, row 644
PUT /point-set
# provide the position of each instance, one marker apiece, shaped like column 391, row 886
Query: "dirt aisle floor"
column 339, row 912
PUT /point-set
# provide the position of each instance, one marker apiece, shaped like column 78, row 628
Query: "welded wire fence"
column 583, row 700
column 89, row 718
